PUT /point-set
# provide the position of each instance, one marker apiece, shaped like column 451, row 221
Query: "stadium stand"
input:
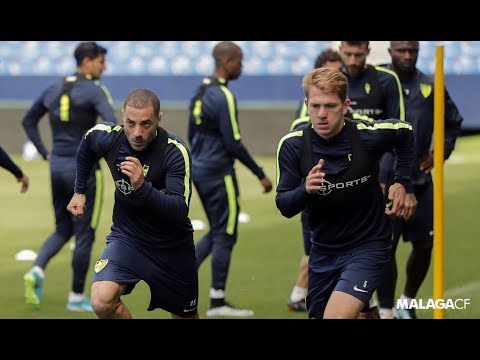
column 159, row 58
column 164, row 58
column 271, row 74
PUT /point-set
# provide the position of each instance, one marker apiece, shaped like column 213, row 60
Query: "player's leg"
column 115, row 274
column 361, row 273
column 419, row 231
column 296, row 301
column 386, row 289
column 84, row 229
column 61, row 195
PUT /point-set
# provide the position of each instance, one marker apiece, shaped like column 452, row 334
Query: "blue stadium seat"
column 140, row 58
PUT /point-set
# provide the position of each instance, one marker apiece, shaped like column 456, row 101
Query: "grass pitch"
column 265, row 259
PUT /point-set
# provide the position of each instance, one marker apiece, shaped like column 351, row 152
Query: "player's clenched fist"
column 77, row 204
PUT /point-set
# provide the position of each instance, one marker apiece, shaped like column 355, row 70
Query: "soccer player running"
column 8, row 164
column 329, row 167
column 73, row 104
column 418, row 92
column 296, row 302
column 215, row 140
column 151, row 238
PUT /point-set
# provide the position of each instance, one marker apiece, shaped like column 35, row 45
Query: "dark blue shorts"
column 171, row 274
column 420, row 226
column 358, row 274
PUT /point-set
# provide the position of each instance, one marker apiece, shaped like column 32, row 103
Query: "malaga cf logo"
column 124, row 187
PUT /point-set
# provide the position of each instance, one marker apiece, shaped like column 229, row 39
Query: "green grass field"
column 265, row 260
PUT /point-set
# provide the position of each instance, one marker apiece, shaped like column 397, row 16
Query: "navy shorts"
column 420, row 226
column 170, row 273
column 358, row 274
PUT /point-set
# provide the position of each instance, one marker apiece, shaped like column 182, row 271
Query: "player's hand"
column 76, row 206
column 25, row 182
column 410, row 206
column 315, row 178
column 396, row 193
column 267, row 184
column 426, row 164
column 134, row 170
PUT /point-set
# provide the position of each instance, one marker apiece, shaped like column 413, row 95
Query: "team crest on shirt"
column 368, row 87
column 145, row 170
column 100, row 264
column 426, row 90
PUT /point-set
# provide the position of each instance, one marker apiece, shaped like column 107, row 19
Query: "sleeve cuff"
column 260, row 173
column 144, row 190
column 407, row 184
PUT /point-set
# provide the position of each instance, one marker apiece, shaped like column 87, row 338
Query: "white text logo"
column 328, row 187
column 433, row 304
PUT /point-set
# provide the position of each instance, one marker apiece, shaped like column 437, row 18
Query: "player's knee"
column 104, row 304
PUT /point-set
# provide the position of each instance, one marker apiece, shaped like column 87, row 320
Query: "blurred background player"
column 8, row 164
column 327, row 58
column 73, row 104
column 418, row 93
column 215, row 141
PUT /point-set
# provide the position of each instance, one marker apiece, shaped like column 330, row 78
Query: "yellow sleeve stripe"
column 357, row 116
column 107, row 92
column 232, row 112
column 401, row 104
column 103, row 127
column 186, row 160
column 380, row 126
column 300, row 120
column 289, row 135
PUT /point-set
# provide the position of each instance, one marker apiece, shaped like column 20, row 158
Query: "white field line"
column 463, row 290
column 461, row 160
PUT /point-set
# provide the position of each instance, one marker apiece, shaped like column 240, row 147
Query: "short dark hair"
column 141, row 99
column 326, row 56
column 224, row 49
column 89, row 49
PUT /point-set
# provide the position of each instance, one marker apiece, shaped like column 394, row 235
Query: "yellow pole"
column 438, row 158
